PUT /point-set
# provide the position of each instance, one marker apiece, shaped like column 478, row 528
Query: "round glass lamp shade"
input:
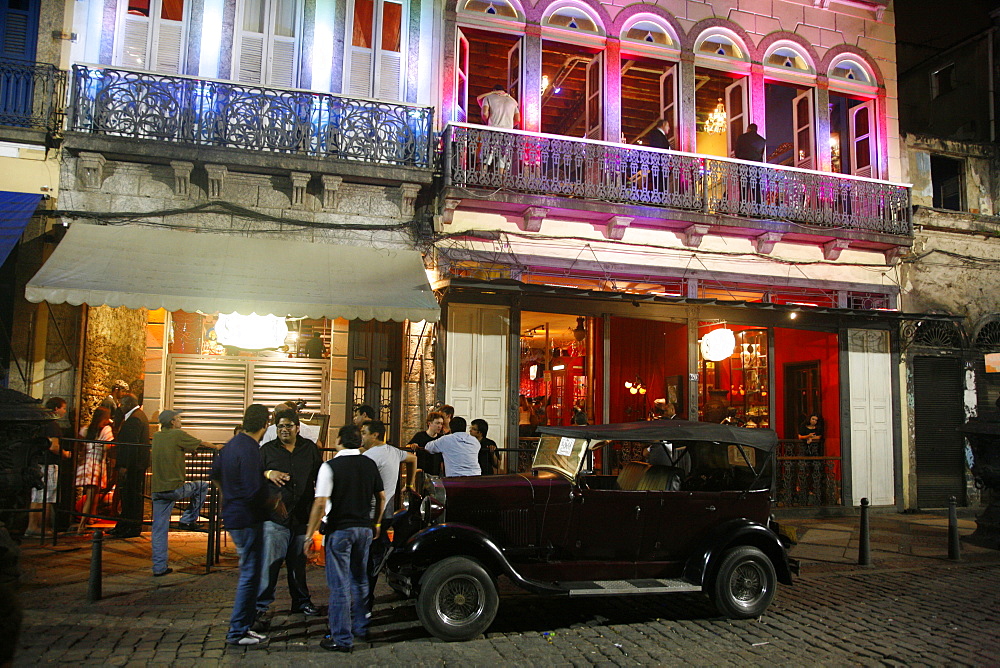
column 718, row 344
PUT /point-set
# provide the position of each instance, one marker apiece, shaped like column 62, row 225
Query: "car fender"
column 452, row 539
column 704, row 560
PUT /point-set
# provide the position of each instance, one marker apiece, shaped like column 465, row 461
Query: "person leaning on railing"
column 169, row 484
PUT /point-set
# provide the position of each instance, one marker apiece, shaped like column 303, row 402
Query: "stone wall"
column 115, row 349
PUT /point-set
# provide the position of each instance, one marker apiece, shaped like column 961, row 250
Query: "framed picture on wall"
column 675, row 390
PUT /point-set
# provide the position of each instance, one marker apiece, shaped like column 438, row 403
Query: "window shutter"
column 170, row 47
column 863, row 139
column 802, row 117
column 251, row 65
column 282, row 62
column 360, row 83
column 389, row 74
column 135, row 42
column 15, row 36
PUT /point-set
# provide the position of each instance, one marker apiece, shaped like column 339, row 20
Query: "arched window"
column 852, row 71
column 649, row 32
column 718, row 44
column 570, row 17
column 499, row 8
column 787, row 58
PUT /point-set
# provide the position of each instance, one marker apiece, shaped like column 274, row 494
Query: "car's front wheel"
column 458, row 599
column 745, row 583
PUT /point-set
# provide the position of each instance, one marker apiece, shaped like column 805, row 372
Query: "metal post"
column 864, row 541
column 94, row 583
column 954, row 545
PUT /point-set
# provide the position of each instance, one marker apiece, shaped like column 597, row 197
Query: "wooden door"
column 375, row 369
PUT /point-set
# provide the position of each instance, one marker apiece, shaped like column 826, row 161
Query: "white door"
column 668, row 102
column 594, row 107
column 514, row 72
column 870, row 371
column 267, row 45
column 154, row 40
column 863, row 139
column 737, row 100
column 802, row 119
column 476, row 367
column 461, row 77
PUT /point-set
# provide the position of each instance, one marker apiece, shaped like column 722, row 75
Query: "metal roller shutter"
column 938, row 412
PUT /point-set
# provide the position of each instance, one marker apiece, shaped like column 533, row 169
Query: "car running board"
column 618, row 587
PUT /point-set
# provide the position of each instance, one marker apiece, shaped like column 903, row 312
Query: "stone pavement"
column 913, row 607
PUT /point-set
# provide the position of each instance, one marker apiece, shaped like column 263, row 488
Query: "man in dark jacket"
column 132, row 456
column 240, row 475
column 290, row 462
column 750, row 145
column 659, row 137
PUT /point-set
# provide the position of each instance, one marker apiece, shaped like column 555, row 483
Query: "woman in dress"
column 90, row 473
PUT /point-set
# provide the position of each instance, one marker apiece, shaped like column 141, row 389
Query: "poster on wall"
column 992, row 362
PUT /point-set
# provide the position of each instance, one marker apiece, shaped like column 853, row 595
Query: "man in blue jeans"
column 240, row 475
column 345, row 489
column 169, row 485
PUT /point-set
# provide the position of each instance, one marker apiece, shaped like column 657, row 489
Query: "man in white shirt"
column 387, row 458
column 460, row 450
column 499, row 110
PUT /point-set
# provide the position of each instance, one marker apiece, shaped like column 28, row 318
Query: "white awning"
column 147, row 267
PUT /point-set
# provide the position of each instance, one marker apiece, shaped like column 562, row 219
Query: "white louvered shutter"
column 282, row 62
column 169, row 47
column 135, row 42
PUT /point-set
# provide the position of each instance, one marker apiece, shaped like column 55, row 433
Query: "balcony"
column 207, row 119
column 31, row 100
column 510, row 170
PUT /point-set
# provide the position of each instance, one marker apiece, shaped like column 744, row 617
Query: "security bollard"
column 94, row 582
column 954, row 545
column 864, row 541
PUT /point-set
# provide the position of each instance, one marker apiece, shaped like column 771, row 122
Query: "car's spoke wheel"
column 745, row 583
column 458, row 599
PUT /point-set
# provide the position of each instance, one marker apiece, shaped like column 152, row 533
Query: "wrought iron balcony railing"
column 31, row 95
column 207, row 112
column 524, row 162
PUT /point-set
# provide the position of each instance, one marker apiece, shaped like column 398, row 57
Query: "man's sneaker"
column 307, row 609
column 189, row 526
column 249, row 638
column 261, row 622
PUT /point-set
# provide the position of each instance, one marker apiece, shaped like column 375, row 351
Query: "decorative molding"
column 300, row 182
column 182, row 177
column 216, row 180
column 893, row 255
column 448, row 210
column 764, row 244
column 90, row 170
column 331, row 184
column 408, row 198
column 533, row 217
column 616, row 227
column 693, row 234
column 833, row 249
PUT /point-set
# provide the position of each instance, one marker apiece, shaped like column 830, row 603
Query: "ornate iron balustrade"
column 805, row 477
column 204, row 112
column 524, row 162
column 31, row 95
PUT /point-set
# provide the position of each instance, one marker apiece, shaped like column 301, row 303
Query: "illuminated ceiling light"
column 718, row 344
column 717, row 120
column 580, row 331
column 545, row 82
column 251, row 332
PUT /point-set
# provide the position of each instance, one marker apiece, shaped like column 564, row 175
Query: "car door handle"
column 712, row 508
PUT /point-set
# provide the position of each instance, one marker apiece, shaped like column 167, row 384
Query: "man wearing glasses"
column 290, row 462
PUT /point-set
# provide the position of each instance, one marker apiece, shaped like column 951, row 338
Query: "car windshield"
column 561, row 454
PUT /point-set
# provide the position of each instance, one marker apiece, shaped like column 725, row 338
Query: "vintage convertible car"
column 698, row 521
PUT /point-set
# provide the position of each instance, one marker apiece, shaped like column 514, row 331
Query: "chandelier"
column 717, row 120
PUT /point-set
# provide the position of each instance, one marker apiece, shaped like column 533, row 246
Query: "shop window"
column 374, row 59
column 734, row 375
column 947, row 179
column 498, row 8
column 943, row 80
column 556, row 371
column 266, row 44
column 152, row 35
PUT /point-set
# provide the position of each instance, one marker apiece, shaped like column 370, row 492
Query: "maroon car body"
column 561, row 531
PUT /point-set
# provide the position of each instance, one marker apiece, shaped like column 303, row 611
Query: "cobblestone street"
column 910, row 609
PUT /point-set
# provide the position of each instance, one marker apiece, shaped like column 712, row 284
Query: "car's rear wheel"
column 745, row 583
column 458, row 599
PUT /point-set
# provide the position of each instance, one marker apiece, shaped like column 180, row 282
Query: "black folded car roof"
column 669, row 430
